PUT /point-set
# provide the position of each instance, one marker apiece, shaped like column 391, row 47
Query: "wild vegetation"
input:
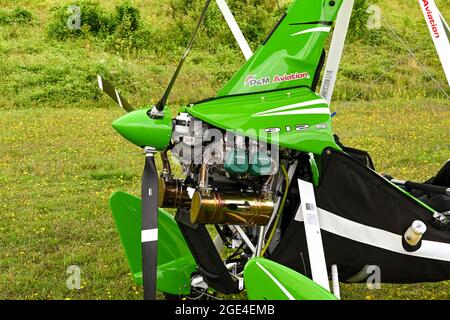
column 60, row 159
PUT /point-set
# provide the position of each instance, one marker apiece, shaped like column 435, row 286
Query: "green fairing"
column 268, row 280
column 289, row 50
column 143, row 131
column 175, row 261
column 293, row 50
column 241, row 113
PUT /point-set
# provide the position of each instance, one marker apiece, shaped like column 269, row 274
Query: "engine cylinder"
column 218, row 208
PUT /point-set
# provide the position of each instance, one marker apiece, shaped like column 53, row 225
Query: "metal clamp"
column 149, row 151
column 156, row 114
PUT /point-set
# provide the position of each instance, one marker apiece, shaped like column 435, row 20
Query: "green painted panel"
column 291, row 54
column 268, row 280
column 175, row 261
column 301, row 116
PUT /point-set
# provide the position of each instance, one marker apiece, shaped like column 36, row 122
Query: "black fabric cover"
column 351, row 190
column 360, row 155
column 442, row 178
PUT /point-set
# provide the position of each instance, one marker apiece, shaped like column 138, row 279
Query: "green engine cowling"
column 142, row 130
column 175, row 261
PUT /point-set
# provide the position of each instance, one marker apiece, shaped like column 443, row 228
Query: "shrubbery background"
column 123, row 29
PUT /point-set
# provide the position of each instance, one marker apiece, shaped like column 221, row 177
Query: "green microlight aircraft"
column 291, row 206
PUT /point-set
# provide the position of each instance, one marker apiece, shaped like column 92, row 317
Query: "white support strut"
column 336, row 50
column 307, row 212
column 446, row 27
column 439, row 33
column 234, row 27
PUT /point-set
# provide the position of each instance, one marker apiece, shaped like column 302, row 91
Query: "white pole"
column 435, row 23
column 234, row 27
column 307, row 212
column 336, row 50
column 335, row 278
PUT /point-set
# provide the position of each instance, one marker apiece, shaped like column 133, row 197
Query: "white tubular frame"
column 234, row 27
column 336, row 50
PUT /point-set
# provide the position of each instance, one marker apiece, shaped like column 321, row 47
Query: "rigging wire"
column 411, row 53
column 163, row 101
column 386, row 70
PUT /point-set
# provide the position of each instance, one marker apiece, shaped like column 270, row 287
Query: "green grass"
column 60, row 159
column 59, row 167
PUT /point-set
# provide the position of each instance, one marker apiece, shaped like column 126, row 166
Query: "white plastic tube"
column 414, row 233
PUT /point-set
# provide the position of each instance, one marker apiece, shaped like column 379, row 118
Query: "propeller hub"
column 141, row 130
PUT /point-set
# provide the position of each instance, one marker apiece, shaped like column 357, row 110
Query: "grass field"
column 60, row 160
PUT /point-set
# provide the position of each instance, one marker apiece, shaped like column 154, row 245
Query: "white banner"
column 438, row 33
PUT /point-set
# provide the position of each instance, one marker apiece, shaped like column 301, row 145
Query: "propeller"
column 157, row 110
column 149, row 231
column 109, row 89
column 149, row 190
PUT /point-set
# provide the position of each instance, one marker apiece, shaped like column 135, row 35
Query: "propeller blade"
column 109, row 89
column 163, row 101
column 149, row 235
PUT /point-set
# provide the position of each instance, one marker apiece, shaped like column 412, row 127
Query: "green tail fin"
column 292, row 53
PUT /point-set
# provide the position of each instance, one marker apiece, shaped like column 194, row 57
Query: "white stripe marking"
column 118, row 99
column 378, row 238
column 100, row 82
column 149, row 235
column 278, row 283
column 301, row 111
column 292, row 106
column 317, row 29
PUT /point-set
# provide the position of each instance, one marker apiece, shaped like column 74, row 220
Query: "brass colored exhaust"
column 217, row 208
column 172, row 193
